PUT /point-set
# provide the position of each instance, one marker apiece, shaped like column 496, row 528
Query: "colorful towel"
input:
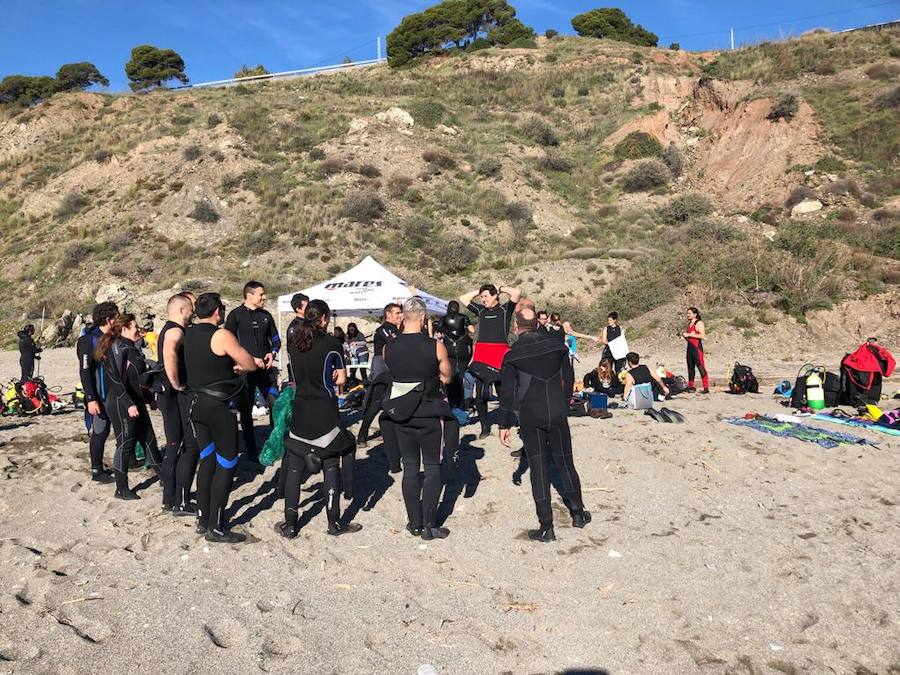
column 823, row 437
column 857, row 422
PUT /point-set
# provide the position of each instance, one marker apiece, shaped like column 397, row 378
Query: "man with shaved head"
column 181, row 451
column 536, row 385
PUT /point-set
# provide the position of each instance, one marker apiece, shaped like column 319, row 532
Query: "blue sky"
column 215, row 37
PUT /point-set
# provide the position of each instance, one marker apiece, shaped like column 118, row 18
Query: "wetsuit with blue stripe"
column 214, row 424
column 90, row 372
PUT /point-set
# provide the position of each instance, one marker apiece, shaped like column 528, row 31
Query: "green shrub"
column 551, row 58
column 558, row 92
column 798, row 239
column 428, row 112
column 784, row 108
column 191, row 152
column 363, row 207
column 397, row 185
column 888, row 99
column 316, row 154
column 102, row 156
column 75, row 253
column 637, row 145
column 71, row 204
column 798, row 194
column 553, row 161
column 204, row 212
column 768, row 214
column 213, row 120
column 583, row 91
column 550, row 33
column 539, row 131
column 489, row 167
column 646, row 175
column 686, row 207
column 455, row 255
column 522, row 43
column 333, row 165
column 830, row 164
column 368, row 170
column 519, row 212
column 675, row 46
column 438, row 159
column 674, row 159
column 882, row 71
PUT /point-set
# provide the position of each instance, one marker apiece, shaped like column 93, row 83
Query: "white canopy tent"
column 363, row 290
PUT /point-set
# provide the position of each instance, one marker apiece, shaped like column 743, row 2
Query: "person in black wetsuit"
column 28, row 351
column 611, row 331
column 93, row 384
column 317, row 438
column 123, row 366
column 415, row 407
column 537, row 381
column 256, row 332
column 638, row 373
column 174, row 403
column 491, row 342
column 378, row 378
column 213, row 361
column 454, row 330
column 298, row 303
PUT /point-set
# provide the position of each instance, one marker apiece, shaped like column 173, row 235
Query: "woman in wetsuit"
column 356, row 348
column 611, row 331
column 416, row 407
column 126, row 406
column 317, row 439
column 696, row 360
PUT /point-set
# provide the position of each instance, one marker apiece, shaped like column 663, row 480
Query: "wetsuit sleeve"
column 133, row 368
column 568, row 377
column 274, row 339
column 474, row 309
column 508, row 377
column 231, row 322
column 32, row 345
column 84, row 349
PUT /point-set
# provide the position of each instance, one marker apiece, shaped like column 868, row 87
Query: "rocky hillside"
column 597, row 175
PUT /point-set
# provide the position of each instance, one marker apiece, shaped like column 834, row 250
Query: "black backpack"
column 743, row 381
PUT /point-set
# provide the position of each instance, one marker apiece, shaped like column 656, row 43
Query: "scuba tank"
column 815, row 392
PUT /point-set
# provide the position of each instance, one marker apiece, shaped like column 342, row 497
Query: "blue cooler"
column 598, row 401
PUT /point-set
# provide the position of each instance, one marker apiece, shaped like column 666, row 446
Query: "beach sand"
column 713, row 548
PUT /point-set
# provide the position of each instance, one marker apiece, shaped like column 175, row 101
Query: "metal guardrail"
column 303, row 72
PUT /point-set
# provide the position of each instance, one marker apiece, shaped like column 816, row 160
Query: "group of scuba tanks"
column 32, row 397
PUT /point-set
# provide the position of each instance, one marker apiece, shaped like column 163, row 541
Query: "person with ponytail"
column 126, row 406
column 696, row 359
column 317, row 440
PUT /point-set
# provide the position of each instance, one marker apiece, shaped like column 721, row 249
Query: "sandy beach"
column 713, row 548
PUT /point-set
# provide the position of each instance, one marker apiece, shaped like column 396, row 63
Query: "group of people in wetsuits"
column 213, row 362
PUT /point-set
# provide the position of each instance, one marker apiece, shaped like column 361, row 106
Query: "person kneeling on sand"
column 637, row 373
column 536, row 385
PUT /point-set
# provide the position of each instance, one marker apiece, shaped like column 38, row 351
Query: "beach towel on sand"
column 823, row 437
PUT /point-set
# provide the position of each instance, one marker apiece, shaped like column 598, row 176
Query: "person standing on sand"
column 415, row 408
column 257, row 333
column 611, row 331
column 213, row 361
column 536, row 385
column 174, row 404
column 123, row 368
column 28, row 351
column 491, row 342
column 90, row 372
column 696, row 359
column 317, row 439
